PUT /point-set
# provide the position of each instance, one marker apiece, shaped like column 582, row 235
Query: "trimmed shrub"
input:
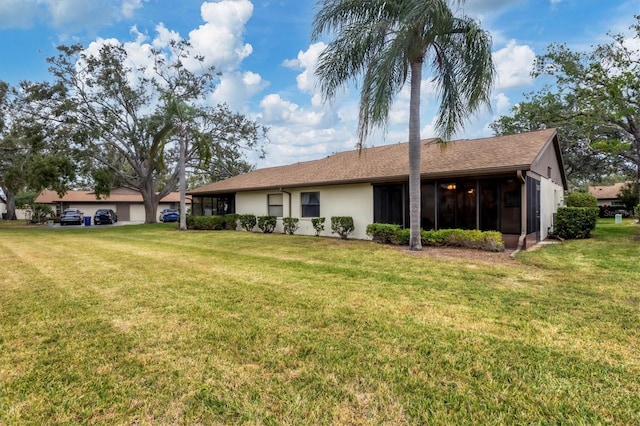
column 248, row 221
column 434, row 237
column 467, row 238
column 384, row 233
column 208, row 223
column 231, row 221
column 474, row 239
column 581, row 199
column 290, row 225
column 402, row 237
column 342, row 225
column 575, row 222
column 318, row 225
column 267, row 223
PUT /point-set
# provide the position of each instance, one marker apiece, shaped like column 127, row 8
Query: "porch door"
column 533, row 207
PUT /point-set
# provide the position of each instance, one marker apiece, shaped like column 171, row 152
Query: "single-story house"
column 127, row 203
column 513, row 184
column 608, row 199
column 607, row 195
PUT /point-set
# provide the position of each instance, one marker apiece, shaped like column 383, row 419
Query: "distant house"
column 127, row 203
column 608, row 195
column 608, row 199
column 513, row 184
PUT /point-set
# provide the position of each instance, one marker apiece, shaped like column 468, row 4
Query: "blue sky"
column 264, row 51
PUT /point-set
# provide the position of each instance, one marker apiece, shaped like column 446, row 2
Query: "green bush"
column 290, row 225
column 318, row 225
column 402, row 237
column 467, row 238
column 206, row 223
column 581, row 199
column 40, row 213
column 231, row 221
column 638, row 211
column 267, row 223
column 473, row 239
column 342, row 225
column 248, row 221
column 384, row 233
column 575, row 222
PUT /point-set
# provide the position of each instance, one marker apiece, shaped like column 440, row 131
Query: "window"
column 310, row 204
column 274, row 205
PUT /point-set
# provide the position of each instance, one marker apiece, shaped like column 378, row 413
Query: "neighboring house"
column 513, row 184
column 127, row 203
column 608, row 198
column 607, row 195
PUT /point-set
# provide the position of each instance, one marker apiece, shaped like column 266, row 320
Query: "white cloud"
column 129, row 7
column 502, row 104
column 219, row 39
column 236, row 88
column 307, row 62
column 276, row 110
column 514, row 64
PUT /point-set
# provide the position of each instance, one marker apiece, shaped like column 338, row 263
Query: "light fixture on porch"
column 451, row 186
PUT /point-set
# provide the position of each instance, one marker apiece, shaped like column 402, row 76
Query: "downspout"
column 289, row 194
column 523, row 213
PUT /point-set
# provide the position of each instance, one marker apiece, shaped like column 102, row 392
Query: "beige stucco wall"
column 551, row 197
column 339, row 200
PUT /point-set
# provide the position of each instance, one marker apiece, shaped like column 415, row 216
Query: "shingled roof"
column 118, row 195
column 607, row 192
column 467, row 157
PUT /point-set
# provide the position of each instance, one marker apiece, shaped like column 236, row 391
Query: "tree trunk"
column 415, row 242
column 150, row 200
column 11, row 205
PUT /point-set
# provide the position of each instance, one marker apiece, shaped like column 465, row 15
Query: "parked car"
column 169, row 215
column 105, row 216
column 71, row 217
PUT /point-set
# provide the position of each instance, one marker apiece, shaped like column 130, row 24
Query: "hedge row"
column 467, row 238
column 212, row 223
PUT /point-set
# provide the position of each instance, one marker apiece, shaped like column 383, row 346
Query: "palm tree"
column 385, row 41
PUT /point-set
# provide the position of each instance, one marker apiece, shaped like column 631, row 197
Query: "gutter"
column 523, row 214
column 289, row 194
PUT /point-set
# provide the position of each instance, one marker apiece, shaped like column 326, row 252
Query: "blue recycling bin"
column 87, row 221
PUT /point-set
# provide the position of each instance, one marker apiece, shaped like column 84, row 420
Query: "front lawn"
column 147, row 325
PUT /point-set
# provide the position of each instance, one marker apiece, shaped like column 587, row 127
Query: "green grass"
column 149, row 325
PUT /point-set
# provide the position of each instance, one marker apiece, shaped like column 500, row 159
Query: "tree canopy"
column 594, row 104
column 31, row 156
column 130, row 119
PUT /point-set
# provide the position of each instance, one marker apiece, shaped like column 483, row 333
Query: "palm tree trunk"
column 182, row 185
column 415, row 242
